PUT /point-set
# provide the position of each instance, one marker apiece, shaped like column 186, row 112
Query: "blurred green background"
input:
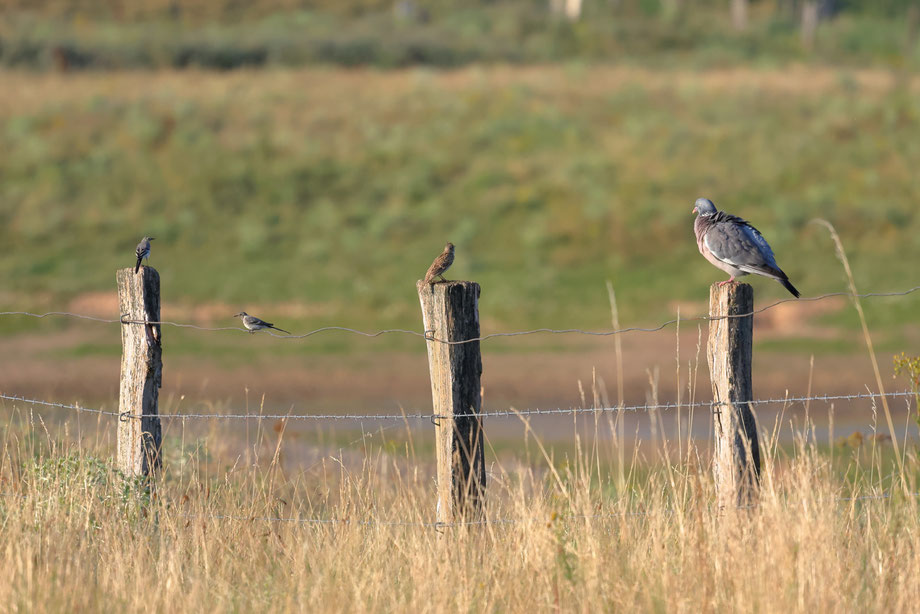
column 225, row 34
column 321, row 153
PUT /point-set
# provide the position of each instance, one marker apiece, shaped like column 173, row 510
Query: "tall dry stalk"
column 870, row 348
column 618, row 349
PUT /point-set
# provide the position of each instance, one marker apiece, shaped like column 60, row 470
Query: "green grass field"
column 228, row 34
column 333, row 190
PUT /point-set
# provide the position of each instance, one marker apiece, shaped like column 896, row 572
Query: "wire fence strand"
column 486, row 414
column 74, row 407
column 429, row 337
column 512, row 412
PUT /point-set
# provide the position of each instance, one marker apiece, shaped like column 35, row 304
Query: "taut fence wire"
column 73, row 406
column 486, row 414
column 427, row 336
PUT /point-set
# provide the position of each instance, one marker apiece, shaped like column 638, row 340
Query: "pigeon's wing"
column 734, row 241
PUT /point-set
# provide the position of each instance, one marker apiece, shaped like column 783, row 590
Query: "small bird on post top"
column 440, row 265
column 253, row 323
column 142, row 251
column 733, row 245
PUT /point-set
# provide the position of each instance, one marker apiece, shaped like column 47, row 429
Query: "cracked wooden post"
column 139, row 433
column 450, row 311
column 736, row 462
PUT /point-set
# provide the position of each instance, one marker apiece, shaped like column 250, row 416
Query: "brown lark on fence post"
column 736, row 463
column 139, row 433
column 450, row 312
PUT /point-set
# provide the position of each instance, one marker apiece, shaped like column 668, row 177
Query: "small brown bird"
column 440, row 264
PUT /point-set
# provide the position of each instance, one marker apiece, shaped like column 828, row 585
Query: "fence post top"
column 446, row 284
column 144, row 271
column 736, row 286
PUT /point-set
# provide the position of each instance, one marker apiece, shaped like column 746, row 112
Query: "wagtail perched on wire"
column 253, row 323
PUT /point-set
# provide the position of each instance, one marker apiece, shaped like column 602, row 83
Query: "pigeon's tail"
column 772, row 272
column 280, row 330
column 137, row 266
column 788, row 286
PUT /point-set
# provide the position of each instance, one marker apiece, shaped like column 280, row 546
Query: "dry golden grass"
column 77, row 538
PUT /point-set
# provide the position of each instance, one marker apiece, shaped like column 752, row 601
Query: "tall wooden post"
column 810, row 18
column 740, row 14
column 450, row 312
column 736, row 463
column 913, row 30
column 139, row 433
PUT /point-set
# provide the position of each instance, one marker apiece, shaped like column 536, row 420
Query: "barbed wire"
column 122, row 320
column 687, row 405
column 427, row 335
column 485, row 414
column 78, row 408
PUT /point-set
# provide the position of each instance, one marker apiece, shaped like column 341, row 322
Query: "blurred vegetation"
column 909, row 368
column 225, row 34
column 335, row 189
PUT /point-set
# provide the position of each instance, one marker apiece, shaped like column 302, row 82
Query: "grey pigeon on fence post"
column 253, row 323
column 142, row 251
column 733, row 245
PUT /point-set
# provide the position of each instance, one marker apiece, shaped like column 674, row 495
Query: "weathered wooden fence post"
column 736, row 463
column 450, row 312
column 139, row 434
column 811, row 16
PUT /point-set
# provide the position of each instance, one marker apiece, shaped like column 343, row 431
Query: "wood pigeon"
column 735, row 246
